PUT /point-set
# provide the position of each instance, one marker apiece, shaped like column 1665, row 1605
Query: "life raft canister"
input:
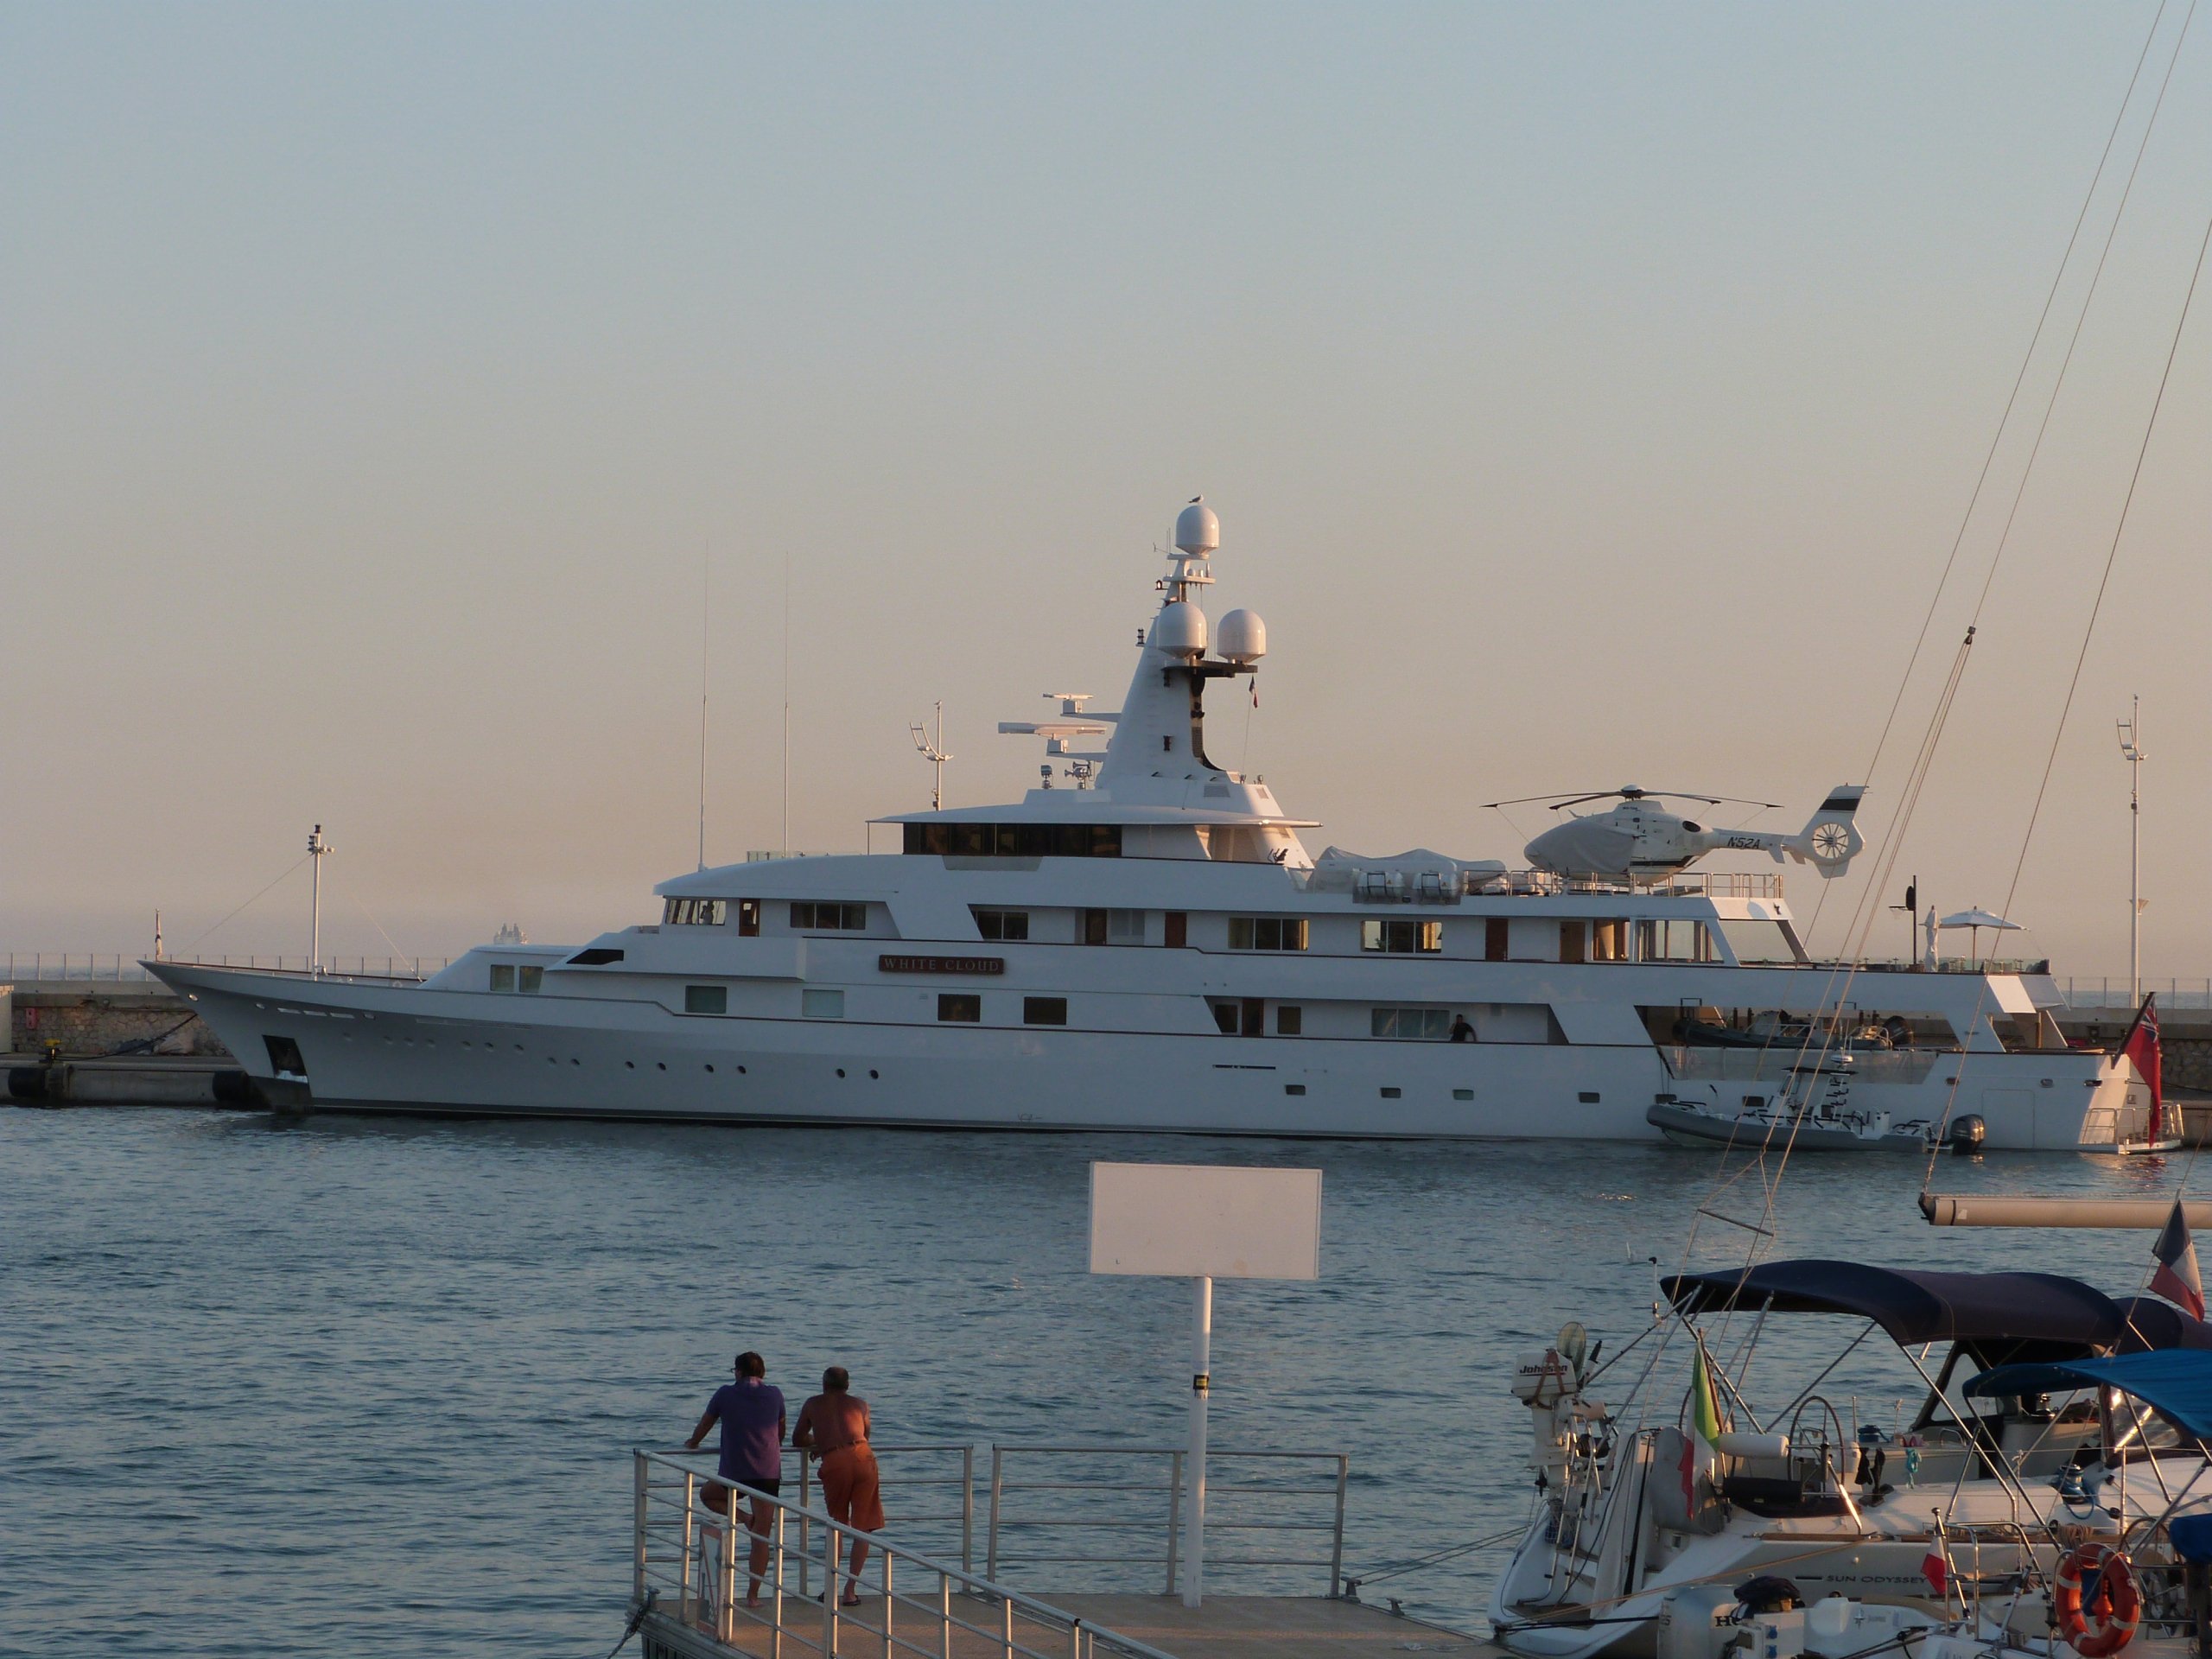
column 2105, row 1620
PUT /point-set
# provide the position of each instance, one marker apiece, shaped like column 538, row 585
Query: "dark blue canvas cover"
column 2175, row 1381
column 2000, row 1317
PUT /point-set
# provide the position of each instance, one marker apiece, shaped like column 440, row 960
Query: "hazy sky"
column 1589, row 394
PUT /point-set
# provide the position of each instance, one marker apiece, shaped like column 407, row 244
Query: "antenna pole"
column 786, row 844
column 2131, row 747
column 934, row 754
column 705, row 600
column 316, row 848
column 786, row 705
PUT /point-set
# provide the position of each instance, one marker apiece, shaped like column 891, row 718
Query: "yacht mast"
column 934, row 754
column 316, row 848
column 2131, row 747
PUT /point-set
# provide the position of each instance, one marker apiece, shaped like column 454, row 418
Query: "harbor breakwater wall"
column 78, row 1019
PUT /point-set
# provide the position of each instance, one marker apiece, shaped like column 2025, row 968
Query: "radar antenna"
column 933, row 751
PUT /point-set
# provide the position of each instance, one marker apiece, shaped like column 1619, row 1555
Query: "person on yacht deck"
column 833, row 1426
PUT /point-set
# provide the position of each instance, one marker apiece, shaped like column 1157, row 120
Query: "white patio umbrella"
column 1974, row 921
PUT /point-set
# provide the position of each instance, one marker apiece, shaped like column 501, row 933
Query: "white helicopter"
column 1640, row 841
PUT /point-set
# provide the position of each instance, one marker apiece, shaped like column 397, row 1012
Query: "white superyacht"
column 1150, row 946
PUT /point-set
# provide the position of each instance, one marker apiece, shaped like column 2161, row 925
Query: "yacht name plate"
column 941, row 964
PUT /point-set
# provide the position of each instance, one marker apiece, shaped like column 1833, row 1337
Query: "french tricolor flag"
column 2176, row 1277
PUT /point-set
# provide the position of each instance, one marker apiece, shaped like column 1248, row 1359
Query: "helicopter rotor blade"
column 1710, row 800
column 1560, row 803
column 1524, row 800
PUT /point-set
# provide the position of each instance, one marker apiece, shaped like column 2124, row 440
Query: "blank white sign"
column 1187, row 1220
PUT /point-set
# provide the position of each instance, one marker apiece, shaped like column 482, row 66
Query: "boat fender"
column 2096, row 1601
column 1736, row 1443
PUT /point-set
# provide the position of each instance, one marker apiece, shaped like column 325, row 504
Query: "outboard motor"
column 1967, row 1134
column 1561, row 1421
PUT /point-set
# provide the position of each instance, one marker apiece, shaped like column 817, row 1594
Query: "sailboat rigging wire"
column 1720, row 1374
column 2111, row 233
column 2004, row 421
column 1624, row 1348
column 2090, row 628
column 352, row 898
column 1398, row 1569
column 204, row 932
column 2111, row 555
column 1892, row 837
column 1805, row 1393
column 1859, row 931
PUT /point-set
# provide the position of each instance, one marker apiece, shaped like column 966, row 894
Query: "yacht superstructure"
column 1151, row 946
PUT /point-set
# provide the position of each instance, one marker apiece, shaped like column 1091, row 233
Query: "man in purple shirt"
column 751, row 1412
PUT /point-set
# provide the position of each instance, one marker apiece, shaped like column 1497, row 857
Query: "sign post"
column 1204, row 1221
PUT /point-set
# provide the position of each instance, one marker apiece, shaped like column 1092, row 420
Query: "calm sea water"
column 353, row 1386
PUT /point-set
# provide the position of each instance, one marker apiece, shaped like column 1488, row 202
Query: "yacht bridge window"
column 1754, row 940
column 1113, row 927
column 820, row 914
column 1001, row 924
column 1414, row 1025
column 694, row 912
column 527, row 978
column 1401, row 938
column 1267, row 933
column 1673, row 941
column 1015, row 840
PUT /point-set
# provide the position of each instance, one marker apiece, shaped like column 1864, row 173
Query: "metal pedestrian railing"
column 692, row 1563
column 2105, row 995
column 1279, row 1512
column 51, row 967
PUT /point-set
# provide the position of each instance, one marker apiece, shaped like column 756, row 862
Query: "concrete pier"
column 1226, row 1627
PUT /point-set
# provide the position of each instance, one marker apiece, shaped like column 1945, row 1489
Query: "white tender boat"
column 1144, row 943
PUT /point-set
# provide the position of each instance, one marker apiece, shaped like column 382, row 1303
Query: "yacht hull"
column 385, row 1046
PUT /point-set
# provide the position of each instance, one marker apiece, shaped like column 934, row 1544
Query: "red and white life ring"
column 2105, row 1620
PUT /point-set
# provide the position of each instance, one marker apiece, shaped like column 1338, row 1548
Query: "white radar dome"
column 1180, row 629
column 1197, row 530
column 1242, row 638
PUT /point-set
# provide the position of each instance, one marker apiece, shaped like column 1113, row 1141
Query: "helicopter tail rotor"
column 1830, row 839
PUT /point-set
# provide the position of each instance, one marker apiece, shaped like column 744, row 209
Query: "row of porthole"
column 555, row 1059
column 1394, row 1094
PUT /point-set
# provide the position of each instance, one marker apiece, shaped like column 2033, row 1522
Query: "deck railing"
column 1103, row 1499
column 691, row 1560
column 63, row 967
column 2109, row 994
column 1407, row 887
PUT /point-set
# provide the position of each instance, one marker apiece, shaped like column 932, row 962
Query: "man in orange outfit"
column 834, row 1426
